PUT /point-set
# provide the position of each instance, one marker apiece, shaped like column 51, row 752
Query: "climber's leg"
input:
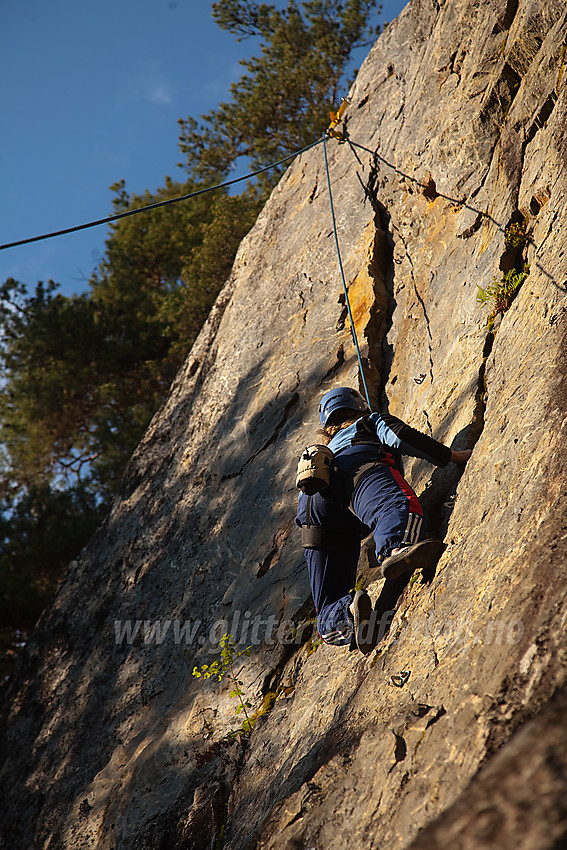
column 332, row 576
column 424, row 554
column 332, row 558
column 385, row 501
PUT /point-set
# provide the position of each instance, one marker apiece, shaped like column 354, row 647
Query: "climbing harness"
column 314, row 469
column 319, row 537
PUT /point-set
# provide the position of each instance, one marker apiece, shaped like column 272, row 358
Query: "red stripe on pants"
column 414, row 504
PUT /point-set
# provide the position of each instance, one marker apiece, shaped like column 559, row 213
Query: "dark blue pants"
column 383, row 503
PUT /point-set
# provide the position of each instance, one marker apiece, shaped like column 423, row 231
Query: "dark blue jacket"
column 383, row 438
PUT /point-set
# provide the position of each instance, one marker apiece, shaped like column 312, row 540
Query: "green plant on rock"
column 313, row 645
column 516, row 234
column 415, row 578
column 225, row 666
column 500, row 293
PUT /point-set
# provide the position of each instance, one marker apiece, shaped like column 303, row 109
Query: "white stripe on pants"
column 413, row 529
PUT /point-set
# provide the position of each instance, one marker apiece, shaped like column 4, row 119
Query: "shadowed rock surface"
column 458, row 127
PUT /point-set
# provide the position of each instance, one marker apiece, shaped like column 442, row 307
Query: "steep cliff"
column 456, row 175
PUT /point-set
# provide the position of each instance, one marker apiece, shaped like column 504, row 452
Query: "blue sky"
column 91, row 93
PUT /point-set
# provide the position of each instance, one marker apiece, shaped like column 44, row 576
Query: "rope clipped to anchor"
column 336, row 117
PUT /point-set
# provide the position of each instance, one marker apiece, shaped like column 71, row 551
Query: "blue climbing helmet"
column 339, row 399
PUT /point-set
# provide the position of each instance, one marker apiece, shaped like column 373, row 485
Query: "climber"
column 366, row 494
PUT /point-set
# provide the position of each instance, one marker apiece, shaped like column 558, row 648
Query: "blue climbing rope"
column 347, row 300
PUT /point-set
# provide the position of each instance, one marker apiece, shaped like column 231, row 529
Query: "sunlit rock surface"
column 458, row 128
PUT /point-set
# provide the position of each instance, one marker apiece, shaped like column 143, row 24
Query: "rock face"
column 455, row 175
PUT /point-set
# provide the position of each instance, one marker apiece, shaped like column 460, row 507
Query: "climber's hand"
column 460, row 458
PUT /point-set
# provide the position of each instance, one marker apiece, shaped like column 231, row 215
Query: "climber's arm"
column 460, row 458
column 394, row 433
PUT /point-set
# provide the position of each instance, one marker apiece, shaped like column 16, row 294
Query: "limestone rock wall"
column 457, row 122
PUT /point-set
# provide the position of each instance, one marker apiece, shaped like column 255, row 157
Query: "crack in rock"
column 290, row 406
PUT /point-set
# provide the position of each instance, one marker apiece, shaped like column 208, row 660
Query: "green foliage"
column 225, row 666
column 39, row 535
column 415, row 578
column 500, row 293
column 283, row 100
column 313, row 646
column 515, row 235
column 502, row 290
column 79, row 389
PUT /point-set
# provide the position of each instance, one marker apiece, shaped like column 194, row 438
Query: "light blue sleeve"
column 385, row 433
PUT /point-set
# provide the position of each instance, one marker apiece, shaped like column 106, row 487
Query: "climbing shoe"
column 426, row 553
column 362, row 606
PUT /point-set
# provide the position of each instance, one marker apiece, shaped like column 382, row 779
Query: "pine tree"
column 283, row 101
